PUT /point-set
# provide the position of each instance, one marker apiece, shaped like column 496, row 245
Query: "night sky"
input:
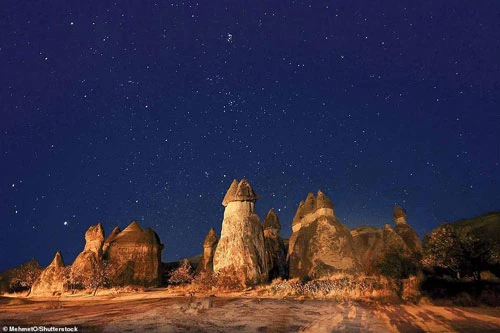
column 147, row 111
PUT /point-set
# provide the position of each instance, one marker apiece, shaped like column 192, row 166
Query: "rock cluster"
column 373, row 244
column 134, row 257
column 320, row 244
column 51, row 280
column 241, row 251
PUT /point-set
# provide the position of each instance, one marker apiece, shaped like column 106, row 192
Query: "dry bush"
column 228, row 280
column 183, row 274
column 338, row 286
column 204, row 281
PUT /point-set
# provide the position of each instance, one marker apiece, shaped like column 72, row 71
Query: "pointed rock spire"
column 272, row 220
column 210, row 238
column 58, row 260
column 322, row 201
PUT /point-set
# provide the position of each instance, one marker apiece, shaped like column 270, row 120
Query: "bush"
column 183, row 274
column 338, row 286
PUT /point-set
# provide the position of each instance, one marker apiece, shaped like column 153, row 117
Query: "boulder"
column 275, row 246
column 320, row 244
column 209, row 244
column 51, row 281
column 134, row 255
column 92, row 253
column 241, row 251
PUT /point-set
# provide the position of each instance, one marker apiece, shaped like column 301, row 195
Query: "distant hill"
column 487, row 225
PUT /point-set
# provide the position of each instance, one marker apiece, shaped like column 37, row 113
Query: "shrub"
column 183, row 274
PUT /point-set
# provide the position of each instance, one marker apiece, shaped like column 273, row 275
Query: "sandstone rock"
column 320, row 244
column 275, row 246
column 209, row 244
column 239, row 191
column 116, row 230
column 399, row 215
column 92, row 253
column 369, row 245
column 406, row 232
column 134, row 255
column 51, row 281
column 241, row 248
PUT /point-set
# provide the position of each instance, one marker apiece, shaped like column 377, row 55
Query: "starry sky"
column 146, row 111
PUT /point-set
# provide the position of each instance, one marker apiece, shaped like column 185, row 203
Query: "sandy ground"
column 159, row 311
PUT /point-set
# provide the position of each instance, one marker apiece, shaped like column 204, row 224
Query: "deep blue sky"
column 147, row 111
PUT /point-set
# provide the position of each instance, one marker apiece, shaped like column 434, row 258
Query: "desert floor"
column 161, row 311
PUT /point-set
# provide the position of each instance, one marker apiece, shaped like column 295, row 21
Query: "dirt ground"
column 158, row 311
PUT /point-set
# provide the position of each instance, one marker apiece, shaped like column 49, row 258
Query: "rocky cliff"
column 241, row 248
column 320, row 244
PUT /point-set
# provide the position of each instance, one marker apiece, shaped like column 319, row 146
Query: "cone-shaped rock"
column 274, row 246
column 112, row 235
column 134, row 255
column 272, row 221
column 240, row 251
column 86, row 261
column 51, row 280
column 209, row 245
column 320, row 244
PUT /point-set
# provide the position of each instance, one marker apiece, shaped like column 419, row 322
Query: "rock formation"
column 116, row 230
column 241, row 249
column 369, row 245
column 92, row 253
column 51, row 281
column 209, row 244
column 373, row 244
column 320, row 244
column 274, row 246
column 134, row 255
column 409, row 235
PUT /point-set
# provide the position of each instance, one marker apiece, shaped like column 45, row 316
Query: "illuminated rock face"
column 275, row 247
column 92, row 253
column 135, row 256
column 209, row 244
column 320, row 244
column 51, row 280
column 241, row 248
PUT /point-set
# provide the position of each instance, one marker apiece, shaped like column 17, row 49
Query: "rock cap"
column 399, row 214
column 239, row 191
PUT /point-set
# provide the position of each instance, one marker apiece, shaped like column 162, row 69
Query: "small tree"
column 183, row 274
column 442, row 250
column 97, row 277
column 459, row 250
column 25, row 275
